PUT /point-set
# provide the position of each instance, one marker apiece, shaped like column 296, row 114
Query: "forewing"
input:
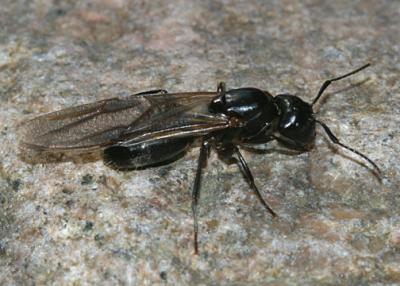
column 133, row 119
column 182, row 115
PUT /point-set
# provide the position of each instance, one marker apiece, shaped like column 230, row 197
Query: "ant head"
column 297, row 121
column 296, row 126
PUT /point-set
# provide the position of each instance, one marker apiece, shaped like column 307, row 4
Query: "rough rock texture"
column 83, row 223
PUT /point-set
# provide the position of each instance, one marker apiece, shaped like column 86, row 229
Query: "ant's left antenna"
column 329, row 81
column 330, row 134
column 335, row 140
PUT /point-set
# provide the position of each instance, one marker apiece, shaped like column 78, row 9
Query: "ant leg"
column 204, row 150
column 329, row 81
column 335, row 140
column 221, row 89
column 153, row 91
column 250, row 179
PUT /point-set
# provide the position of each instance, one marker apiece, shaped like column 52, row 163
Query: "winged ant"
column 155, row 127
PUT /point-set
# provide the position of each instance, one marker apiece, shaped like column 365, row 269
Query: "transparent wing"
column 123, row 121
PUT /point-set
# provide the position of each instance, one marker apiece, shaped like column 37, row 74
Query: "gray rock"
column 83, row 223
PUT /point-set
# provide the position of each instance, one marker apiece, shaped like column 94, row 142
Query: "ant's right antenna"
column 335, row 140
column 329, row 81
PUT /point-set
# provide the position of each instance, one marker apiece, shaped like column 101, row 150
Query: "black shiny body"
column 286, row 118
column 156, row 127
column 260, row 116
column 254, row 108
column 148, row 154
column 296, row 126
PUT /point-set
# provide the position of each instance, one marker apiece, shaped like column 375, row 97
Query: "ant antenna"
column 335, row 140
column 329, row 81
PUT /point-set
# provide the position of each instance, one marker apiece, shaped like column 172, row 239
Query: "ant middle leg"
column 204, row 151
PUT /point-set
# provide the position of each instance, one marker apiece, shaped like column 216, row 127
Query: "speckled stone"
column 81, row 223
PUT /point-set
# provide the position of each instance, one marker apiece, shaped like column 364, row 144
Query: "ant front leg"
column 228, row 152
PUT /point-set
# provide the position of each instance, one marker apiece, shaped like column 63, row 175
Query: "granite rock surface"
column 82, row 223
